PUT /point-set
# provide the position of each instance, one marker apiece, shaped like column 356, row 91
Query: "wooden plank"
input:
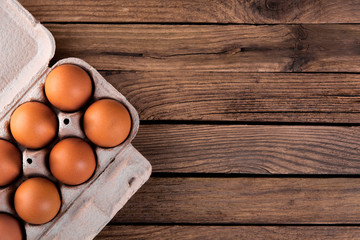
column 215, row 48
column 200, row 11
column 245, row 201
column 264, row 97
column 250, row 149
column 228, row 232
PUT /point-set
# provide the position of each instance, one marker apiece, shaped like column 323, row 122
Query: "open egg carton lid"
column 26, row 48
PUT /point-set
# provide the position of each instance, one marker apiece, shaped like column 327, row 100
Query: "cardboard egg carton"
column 26, row 49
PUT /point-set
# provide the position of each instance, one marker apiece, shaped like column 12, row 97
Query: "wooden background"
column 250, row 111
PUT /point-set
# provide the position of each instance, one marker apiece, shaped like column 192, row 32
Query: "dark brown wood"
column 250, row 149
column 264, row 97
column 215, row 48
column 245, row 201
column 206, row 11
column 230, row 72
column 229, row 232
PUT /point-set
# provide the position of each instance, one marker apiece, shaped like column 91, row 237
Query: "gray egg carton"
column 26, row 49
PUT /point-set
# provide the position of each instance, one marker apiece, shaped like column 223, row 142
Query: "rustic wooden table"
column 250, row 111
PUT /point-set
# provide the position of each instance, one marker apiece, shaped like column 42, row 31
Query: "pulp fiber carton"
column 26, row 48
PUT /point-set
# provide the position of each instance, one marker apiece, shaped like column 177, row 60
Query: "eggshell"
column 10, row 162
column 107, row 123
column 68, row 87
column 72, row 161
column 10, row 228
column 33, row 125
column 37, row 200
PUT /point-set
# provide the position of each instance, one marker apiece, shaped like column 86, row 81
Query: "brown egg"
column 10, row 162
column 68, row 87
column 107, row 123
column 37, row 200
column 10, row 228
column 72, row 161
column 33, row 125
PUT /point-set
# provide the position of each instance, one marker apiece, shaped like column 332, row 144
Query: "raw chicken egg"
column 107, row 123
column 72, row 161
column 37, row 200
column 10, row 228
column 68, row 87
column 33, row 125
column 10, row 162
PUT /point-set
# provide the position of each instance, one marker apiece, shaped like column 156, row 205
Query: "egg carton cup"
column 27, row 48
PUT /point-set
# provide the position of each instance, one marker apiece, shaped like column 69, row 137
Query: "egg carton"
column 26, row 48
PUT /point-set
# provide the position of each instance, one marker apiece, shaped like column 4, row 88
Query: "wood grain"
column 265, row 97
column 223, row 71
column 215, row 48
column 199, row 11
column 245, row 201
column 251, row 149
column 229, row 232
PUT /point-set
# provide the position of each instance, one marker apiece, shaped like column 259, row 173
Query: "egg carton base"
column 101, row 201
column 27, row 49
